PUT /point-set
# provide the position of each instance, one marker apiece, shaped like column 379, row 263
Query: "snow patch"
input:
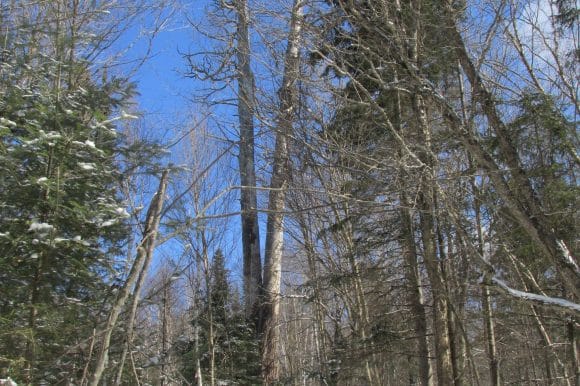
column 108, row 223
column 31, row 142
column 122, row 212
column 567, row 256
column 7, row 382
column 40, row 227
column 79, row 239
column 87, row 166
column 7, row 122
column 50, row 135
column 125, row 115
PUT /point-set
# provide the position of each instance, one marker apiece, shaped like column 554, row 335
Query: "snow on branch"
column 535, row 298
column 567, row 256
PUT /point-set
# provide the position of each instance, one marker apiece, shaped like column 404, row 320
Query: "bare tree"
column 246, row 113
column 141, row 264
column 288, row 94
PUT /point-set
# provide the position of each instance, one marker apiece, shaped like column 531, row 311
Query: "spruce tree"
column 62, row 220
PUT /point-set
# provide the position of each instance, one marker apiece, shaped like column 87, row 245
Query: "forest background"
column 340, row 192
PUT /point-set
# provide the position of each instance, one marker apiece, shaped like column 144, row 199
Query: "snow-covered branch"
column 562, row 304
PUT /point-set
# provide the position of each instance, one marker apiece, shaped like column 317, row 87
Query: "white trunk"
column 278, row 185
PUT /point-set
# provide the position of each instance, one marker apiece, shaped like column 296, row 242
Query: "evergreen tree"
column 222, row 324
column 61, row 216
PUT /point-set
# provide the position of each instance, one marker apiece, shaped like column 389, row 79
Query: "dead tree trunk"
column 248, row 202
column 141, row 263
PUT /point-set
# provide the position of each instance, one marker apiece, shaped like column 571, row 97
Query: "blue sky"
column 166, row 96
column 165, row 102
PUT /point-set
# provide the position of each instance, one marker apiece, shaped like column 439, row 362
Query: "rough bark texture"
column 248, row 202
column 141, row 263
column 279, row 181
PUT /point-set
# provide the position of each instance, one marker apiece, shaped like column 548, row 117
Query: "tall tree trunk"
column 415, row 294
column 248, row 202
column 572, row 328
column 276, row 204
column 490, row 335
column 440, row 323
column 141, row 263
column 319, row 327
column 413, row 277
column 165, row 333
column 210, row 309
column 426, row 203
column 132, row 315
column 489, row 326
column 197, row 376
column 445, row 375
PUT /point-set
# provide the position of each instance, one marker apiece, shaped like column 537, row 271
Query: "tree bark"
column 249, row 203
column 574, row 360
column 415, row 294
column 141, row 263
column 440, row 323
column 445, row 375
column 165, row 332
column 279, row 182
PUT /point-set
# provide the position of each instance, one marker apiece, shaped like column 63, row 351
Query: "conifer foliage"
column 61, row 217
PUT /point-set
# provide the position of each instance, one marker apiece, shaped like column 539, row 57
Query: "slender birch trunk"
column 319, row 328
column 572, row 331
column 165, row 333
column 141, row 263
column 279, row 182
column 486, row 299
column 132, row 316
